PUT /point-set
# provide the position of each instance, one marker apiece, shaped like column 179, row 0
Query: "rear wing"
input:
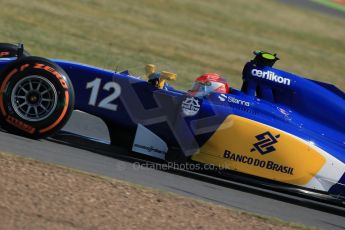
column 320, row 101
column 330, row 87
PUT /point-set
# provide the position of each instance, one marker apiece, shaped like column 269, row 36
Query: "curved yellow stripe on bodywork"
column 278, row 155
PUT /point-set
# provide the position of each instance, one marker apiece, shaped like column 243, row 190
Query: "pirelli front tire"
column 36, row 97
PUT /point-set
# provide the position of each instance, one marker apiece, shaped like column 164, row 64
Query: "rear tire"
column 36, row 97
column 8, row 50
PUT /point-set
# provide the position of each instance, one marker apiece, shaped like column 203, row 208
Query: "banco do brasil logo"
column 265, row 144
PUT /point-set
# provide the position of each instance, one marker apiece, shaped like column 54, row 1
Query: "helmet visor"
column 205, row 88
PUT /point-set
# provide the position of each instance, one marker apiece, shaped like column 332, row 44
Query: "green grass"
column 189, row 37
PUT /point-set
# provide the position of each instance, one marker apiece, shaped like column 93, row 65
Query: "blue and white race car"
column 278, row 127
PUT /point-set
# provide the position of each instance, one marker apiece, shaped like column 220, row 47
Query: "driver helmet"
column 208, row 83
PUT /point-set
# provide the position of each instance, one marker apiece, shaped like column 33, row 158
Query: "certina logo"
column 265, row 144
column 223, row 97
column 271, row 76
column 190, row 106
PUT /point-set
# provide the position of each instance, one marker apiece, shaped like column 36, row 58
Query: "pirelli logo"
column 20, row 125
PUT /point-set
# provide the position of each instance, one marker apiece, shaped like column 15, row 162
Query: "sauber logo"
column 271, row 76
column 265, row 144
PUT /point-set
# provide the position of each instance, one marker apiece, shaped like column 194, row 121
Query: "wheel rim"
column 34, row 98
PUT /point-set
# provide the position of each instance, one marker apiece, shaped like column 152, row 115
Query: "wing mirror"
column 158, row 78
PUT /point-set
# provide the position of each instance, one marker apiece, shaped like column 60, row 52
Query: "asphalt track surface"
column 310, row 5
column 100, row 158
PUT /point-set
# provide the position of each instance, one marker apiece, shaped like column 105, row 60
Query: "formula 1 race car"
column 279, row 127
